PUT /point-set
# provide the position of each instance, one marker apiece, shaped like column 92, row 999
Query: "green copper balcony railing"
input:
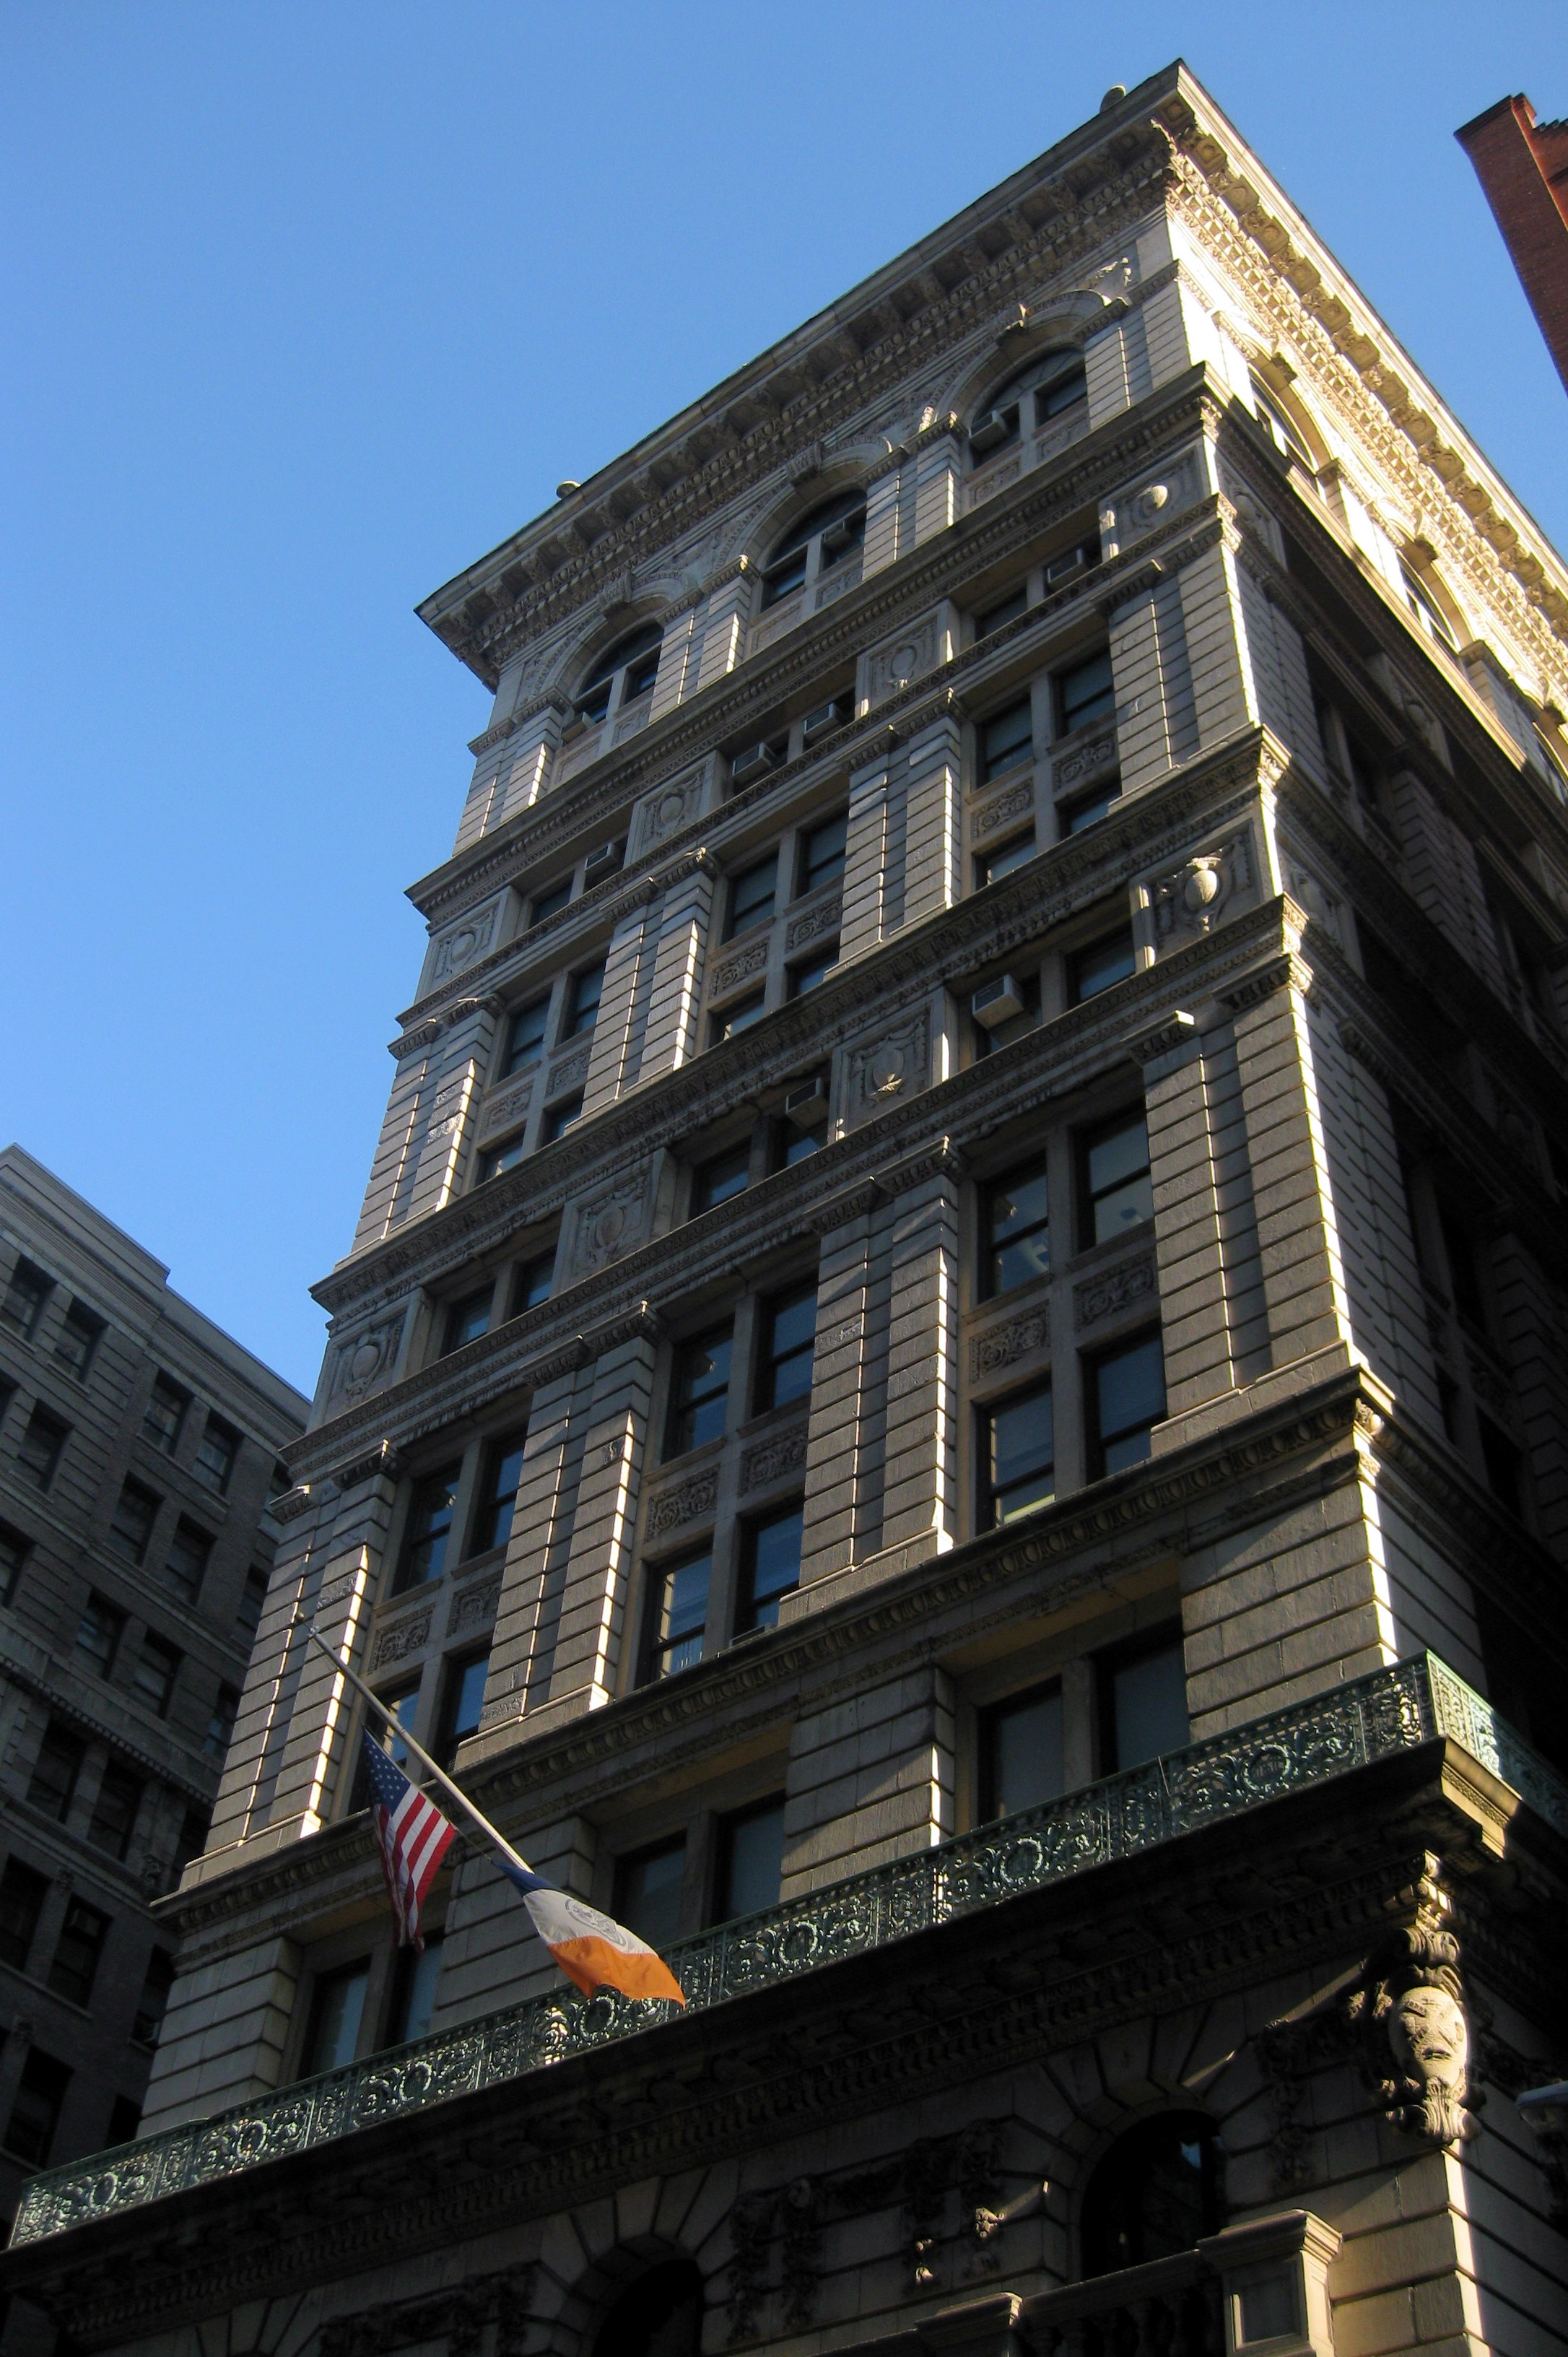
column 1392, row 1710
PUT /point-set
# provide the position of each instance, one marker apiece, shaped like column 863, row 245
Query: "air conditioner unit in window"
column 843, row 535
column 600, row 863
column 1073, row 561
column 755, row 762
column 989, row 432
column 807, row 1104
column 998, row 1002
column 821, row 721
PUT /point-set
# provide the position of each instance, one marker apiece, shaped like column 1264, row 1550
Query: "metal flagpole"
column 418, row 1750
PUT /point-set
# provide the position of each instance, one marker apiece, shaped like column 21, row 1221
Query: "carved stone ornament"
column 823, row 919
column 455, row 949
column 665, row 811
column 1115, row 1289
column 1197, row 896
column 1003, row 1344
column 1013, row 804
column 1084, row 758
column 569, row 1074
column 696, row 1495
column 474, row 1607
column 404, row 1637
column 916, row 651
column 740, row 968
column 1316, row 901
column 1132, row 514
column 613, row 1220
column 771, row 1460
column 1410, row 2011
column 504, row 1110
column 889, row 1069
column 364, row 1363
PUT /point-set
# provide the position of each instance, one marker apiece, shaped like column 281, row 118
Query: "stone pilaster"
column 871, row 1777
column 938, row 475
column 612, row 1057
column 595, row 1599
column 922, row 1511
column 723, row 627
column 844, row 1445
column 677, row 948
column 522, row 1644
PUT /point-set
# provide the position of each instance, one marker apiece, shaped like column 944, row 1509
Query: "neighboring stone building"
column 138, row 1450
column 954, row 1352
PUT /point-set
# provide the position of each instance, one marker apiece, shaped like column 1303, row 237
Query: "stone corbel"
column 381, row 1462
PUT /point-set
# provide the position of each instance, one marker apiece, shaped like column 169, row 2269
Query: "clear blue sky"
column 309, row 305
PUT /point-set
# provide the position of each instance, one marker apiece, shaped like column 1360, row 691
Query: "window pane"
column 21, row 1306
column 253, row 1598
column 1060, row 393
column 700, row 1400
column 648, row 1892
column 114, row 1811
column 220, row 1722
column 215, row 1454
column 404, row 1704
column 791, row 1329
column 416, row 1999
column 548, row 903
column 130, row 1526
column 752, row 894
column 73, row 1967
column 532, row 1283
column 751, row 1866
column 1023, row 1452
column 783, row 579
column 681, row 1613
column 1130, row 1396
column 1147, row 1715
column 739, row 1018
column 1007, row 609
column 22, row 1896
column 164, row 1413
column 78, row 1337
column 503, row 1471
column 640, row 677
column 772, row 1567
column 525, row 1037
column 469, row 1319
column 1099, row 966
column 336, row 2014
column 558, row 1119
column 14, row 1553
column 42, row 1442
column 58, row 1765
column 1073, row 817
column 1121, row 1190
column 1087, row 692
column 992, row 868
column 430, row 1527
column 153, row 2003
column 98, row 1634
column 822, row 851
column 582, row 1000
column 154, row 1676
column 464, row 1695
column 35, row 2113
column 1019, row 1233
column 185, row 1566
column 1007, row 741
column 1022, row 1762
column 504, row 1157
column 717, row 1180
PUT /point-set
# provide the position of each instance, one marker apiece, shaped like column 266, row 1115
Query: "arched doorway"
column 1159, row 2188
column 660, row 2314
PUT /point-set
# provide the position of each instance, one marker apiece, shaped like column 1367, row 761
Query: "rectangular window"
column 1016, row 1212
column 1007, row 741
column 429, row 1527
column 1085, row 693
column 751, row 1860
column 157, row 1667
column 336, row 2009
column 788, row 1346
column 699, row 1396
column 130, row 1526
column 14, row 1553
column 35, row 2112
column 496, row 1159
column 531, row 1285
column 22, row 1897
column 1126, row 1398
column 73, row 1967
column 1142, row 1703
column 78, row 1337
column 462, row 1695
column 770, row 1566
column 550, row 902
column 582, row 1000
column 42, row 1443
column 990, row 866
column 165, row 1414
column 22, row 1303
column 56, row 1770
column 559, row 1118
column 153, row 2003
column 502, row 1471
column 714, row 1181
column 186, row 1566
column 98, row 1635
column 813, row 972
column 253, row 1598
column 1088, row 809
column 1021, row 1756
column 114, row 1811
column 190, row 1842
column 125, row 2119
column 414, row 1992
column 752, row 894
column 216, row 1453
column 648, row 1891
column 1017, row 1454
column 1007, row 610
column 469, row 1319
column 1118, row 1192
column 677, row 1615
column 1100, row 965
column 404, row 1704
column 822, row 851
column 220, row 1722
column 738, row 1017
column 525, row 1035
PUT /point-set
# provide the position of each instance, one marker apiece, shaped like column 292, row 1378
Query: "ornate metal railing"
column 1391, row 1711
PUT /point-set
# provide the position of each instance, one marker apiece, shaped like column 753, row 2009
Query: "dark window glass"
column 822, row 851
column 525, row 1035
column 1504, row 1464
column 1060, row 393
column 22, row 1303
column 56, row 1770
column 1085, row 693
column 751, row 1860
column 714, row 1181
column 814, row 972
column 593, row 702
column 792, row 1145
column 220, row 1722
column 413, row 1991
column 35, row 2113
column 1007, row 741
column 548, row 903
column 253, row 1597
column 1007, row 610
column 1143, row 1704
column 404, row 1704
column 190, row 1842
column 186, row 1565
column 157, row 1667
column 1158, row 2191
column 1127, row 1400
column 533, row 1282
column 1278, row 424
column 77, row 1339
column 788, row 1346
column 73, row 1967
column 462, row 1695
column 1118, row 1192
column 1017, row 1227
column 659, row 2315
column 496, row 1159
column 22, row 1896
column 639, row 676
column 990, row 866
column 738, row 1017
column 1017, row 1454
column 153, row 2003
column 14, row 1553
column 559, row 1118
column 782, row 581
column 582, row 1000
column 429, row 1527
column 699, row 1398
column 132, row 1524
column 677, row 1615
column 336, row 2009
column 648, row 1891
column 216, row 1452
column 770, row 1566
column 98, row 1635
column 752, row 896
column 839, row 526
column 113, row 1819
column 164, row 1414
column 42, row 1442
column 1099, row 966
column 125, row 2119
column 469, row 1319
column 1425, row 609
column 1088, row 810
column 1021, row 1761
column 502, row 1471
column 1460, row 1247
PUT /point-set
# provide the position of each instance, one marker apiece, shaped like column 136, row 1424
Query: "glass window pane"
column 1099, row 966
column 1120, row 1187
column 548, row 903
column 772, row 1568
column 1060, row 393
column 1087, row 692
column 783, row 579
column 1148, row 1708
column 164, row 1413
column 992, row 868
column 752, row 1861
column 469, row 1319
column 582, row 1000
column 682, row 1612
column 700, row 1400
column 525, row 1037
column 717, row 1180
column 814, row 973
column 74, row 1965
column 1007, row 741
column 185, row 1566
column 1023, row 1449
column 791, row 1331
column 78, row 1337
column 215, row 1454
column 22, row 1896
column 461, row 1702
column 98, row 1634
column 55, row 1772
column 822, row 851
column 1073, row 817
column 648, row 1892
column 416, row 2000
column 1130, row 1396
column 430, row 1526
column 130, row 1526
column 739, row 1018
column 504, row 1471
column 504, row 1157
column 752, row 896
column 1019, row 1231
column 1022, row 1761
column 114, row 1811
column 336, row 2016
column 23, row 1302
column 532, row 1283
column 997, row 617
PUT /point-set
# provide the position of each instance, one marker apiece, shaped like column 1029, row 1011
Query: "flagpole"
column 420, row 1753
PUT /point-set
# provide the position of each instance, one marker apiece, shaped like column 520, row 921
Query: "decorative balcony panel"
column 1392, row 1711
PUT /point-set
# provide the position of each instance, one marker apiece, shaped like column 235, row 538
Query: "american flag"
column 412, row 1836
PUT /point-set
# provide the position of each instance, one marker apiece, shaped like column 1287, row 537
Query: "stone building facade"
column 139, row 1450
column 948, row 1394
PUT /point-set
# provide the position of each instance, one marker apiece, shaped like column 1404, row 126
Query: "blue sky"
column 308, row 305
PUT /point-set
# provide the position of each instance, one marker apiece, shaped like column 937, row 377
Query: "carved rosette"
column 612, row 1221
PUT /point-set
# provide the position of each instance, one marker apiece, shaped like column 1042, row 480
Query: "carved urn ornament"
column 1409, row 2009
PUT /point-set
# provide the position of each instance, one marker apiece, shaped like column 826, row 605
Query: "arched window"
column 1277, row 422
column 627, row 672
column 1046, row 389
column 1423, row 605
column 1159, row 2188
column 814, row 545
column 659, row 2315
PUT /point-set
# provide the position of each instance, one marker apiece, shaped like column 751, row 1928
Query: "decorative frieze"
column 473, row 1606
column 825, row 917
column 770, row 1459
column 504, row 1109
column 570, row 1074
column 1197, row 896
column 884, row 1070
column 1111, row 1289
column 612, row 1221
column 455, row 950
column 665, row 811
column 404, row 1636
column 1085, row 756
column 910, row 655
column 733, row 971
column 689, row 1500
column 1002, row 1346
column 366, row 1361
column 1015, row 802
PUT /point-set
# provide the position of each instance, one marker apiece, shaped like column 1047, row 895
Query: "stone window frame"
column 504, row 1271
column 821, row 583
column 554, row 1075
column 1068, row 768
column 1047, row 963
column 1032, row 443
column 767, row 1139
column 804, row 924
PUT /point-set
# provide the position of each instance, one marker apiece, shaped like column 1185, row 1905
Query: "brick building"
column 948, row 1394
column 1522, row 165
